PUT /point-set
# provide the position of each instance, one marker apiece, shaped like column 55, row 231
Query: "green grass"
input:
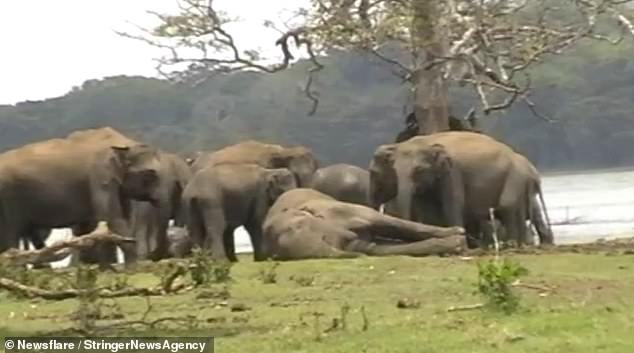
column 590, row 310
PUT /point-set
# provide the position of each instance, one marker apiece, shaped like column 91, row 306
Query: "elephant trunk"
column 404, row 199
column 373, row 200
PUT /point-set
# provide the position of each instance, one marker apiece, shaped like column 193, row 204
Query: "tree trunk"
column 431, row 104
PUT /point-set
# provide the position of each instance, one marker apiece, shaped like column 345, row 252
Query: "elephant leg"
column 514, row 223
column 159, row 234
column 104, row 254
column 474, row 234
column 215, row 225
column 132, row 252
column 38, row 237
column 107, row 255
column 196, row 227
column 255, row 233
column 366, row 220
column 435, row 246
column 339, row 243
column 10, row 231
column 158, row 239
column 229, row 243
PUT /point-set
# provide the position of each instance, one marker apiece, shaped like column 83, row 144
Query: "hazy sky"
column 49, row 46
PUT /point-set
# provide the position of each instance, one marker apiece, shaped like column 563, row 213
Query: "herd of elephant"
column 432, row 194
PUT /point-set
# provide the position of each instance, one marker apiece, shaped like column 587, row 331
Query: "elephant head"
column 383, row 186
column 414, row 169
column 278, row 181
column 137, row 170
column 300, row 161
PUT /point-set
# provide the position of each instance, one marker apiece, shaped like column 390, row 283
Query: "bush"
column 495, row 280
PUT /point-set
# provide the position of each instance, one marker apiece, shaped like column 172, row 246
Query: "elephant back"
column 468, row 149
column 250, row 152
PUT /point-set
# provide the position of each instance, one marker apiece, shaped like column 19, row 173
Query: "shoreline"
column 556, row 173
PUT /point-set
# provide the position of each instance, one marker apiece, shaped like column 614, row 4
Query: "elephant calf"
column 223, row 197
column 344, row 182
column 304, row 223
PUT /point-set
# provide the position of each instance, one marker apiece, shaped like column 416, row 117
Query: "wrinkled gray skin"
column 305, row 224
column 90, row 175
column 298, row 159
column 344, row 182
column 528, row 210
column 453, row 179
column 150, row 223
column 223, row 197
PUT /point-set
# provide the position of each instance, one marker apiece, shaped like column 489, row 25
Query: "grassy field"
column 351, row 306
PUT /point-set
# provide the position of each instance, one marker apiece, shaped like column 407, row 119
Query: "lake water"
column 597, row 205
column 582, row 208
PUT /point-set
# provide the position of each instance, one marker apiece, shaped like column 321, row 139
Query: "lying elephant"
column 304, row 223
column 223, row 197
column 344, row 182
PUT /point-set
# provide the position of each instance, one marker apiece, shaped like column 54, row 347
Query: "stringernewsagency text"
column 110, row 344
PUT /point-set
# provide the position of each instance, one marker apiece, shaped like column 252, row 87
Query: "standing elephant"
column 91, row 175
column 298, row 159
column 150, row 222
column 223, row 197
column 344, row 182
column 463, row 174
column 528, row 209
column 304, row 224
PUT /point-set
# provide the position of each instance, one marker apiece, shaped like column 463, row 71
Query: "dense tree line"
column 587, row 94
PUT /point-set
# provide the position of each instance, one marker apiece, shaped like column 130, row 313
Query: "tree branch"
column 494, row 41
column 62, row 249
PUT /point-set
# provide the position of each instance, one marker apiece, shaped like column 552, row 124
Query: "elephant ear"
column 118, row 162
column 384, row 156
column 281, row 159
column 278, row 182
column 440, row 159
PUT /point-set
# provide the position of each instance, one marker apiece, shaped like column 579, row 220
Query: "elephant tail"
column 541, row 200
column 549, row 236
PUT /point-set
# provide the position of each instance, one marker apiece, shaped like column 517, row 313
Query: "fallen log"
column 62, row 249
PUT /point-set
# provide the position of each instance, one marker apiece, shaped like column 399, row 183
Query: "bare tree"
column 489, row 45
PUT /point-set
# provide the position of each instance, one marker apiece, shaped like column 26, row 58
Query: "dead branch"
column 61, row 249
column 35, row 292
column 490, row 45
column 465, row 307
column 536, row 287
column 199, row 27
